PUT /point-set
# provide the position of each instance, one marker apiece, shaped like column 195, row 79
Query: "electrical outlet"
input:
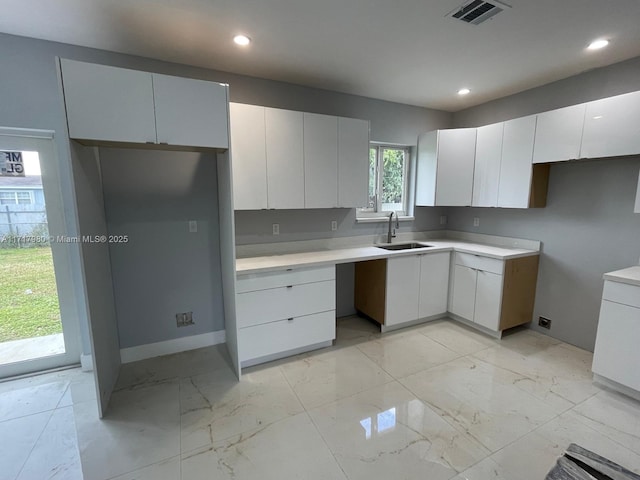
column 276, row 228
column 476, row 222
column 544, row 323
column 184, row 319
column 334, row 225
column 193, row 226
column 443, row 220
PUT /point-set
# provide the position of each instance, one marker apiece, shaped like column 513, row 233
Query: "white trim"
column 27, row 132
column 86, row 362
column 150, row 350
column 618, row 387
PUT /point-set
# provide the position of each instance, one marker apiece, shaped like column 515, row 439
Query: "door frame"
column 58, row 214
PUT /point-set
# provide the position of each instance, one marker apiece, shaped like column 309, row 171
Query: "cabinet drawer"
column 621, row 293
column 263, row 306
column 269, row 339
column 283, row 278
column 478, row 262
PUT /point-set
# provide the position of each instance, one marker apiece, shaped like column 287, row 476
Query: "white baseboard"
column 86, row 362
column 150, row 350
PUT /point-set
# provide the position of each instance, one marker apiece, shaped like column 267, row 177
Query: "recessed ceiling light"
column 464, row 91
column 598, row 44
column 242, row 40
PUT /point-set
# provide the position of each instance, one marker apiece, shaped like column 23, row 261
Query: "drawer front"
column 271, row 338
column 282, row 278
column 478, row 262
column 621, row 293
column 264, row 306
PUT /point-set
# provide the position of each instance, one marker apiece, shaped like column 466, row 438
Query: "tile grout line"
column 36, row 442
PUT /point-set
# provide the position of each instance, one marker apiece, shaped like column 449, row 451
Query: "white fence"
column 23, row 220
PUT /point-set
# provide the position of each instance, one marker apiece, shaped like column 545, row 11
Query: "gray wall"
column 588, row 227
column 163, row 269
column 31, row 98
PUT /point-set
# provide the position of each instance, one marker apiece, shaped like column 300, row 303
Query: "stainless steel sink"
column 404, row 246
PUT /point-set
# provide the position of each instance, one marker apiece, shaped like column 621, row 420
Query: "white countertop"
column 356, row 254
column 629, row 275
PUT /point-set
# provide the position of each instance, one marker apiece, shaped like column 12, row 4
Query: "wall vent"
column 477, row 11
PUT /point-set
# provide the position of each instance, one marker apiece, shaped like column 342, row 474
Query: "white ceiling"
column 405, row 51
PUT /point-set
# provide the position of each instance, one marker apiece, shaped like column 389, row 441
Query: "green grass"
column 24, row 314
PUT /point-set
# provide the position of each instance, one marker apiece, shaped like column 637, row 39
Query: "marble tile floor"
column 436, row 401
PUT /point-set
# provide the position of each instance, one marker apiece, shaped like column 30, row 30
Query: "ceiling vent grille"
column 476, row 11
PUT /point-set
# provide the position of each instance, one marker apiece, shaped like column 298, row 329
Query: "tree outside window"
column 388, row 178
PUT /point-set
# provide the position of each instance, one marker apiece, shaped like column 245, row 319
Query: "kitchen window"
column 388, row 181
column 16, row 198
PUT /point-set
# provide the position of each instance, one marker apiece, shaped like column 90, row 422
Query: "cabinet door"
column 353, row 162
column 488, row 300
column 486, row 175
column 611, row 127
column 191, row 112
column 454, row 176
column 464, row 292
column 107, row 103
column 320, row 161
column 248, row 156
column 616, row 352
column 434, row 284
column 516, row 167
column 285, row 165
column 403, row 285
column 637, row 207
column 559, row 134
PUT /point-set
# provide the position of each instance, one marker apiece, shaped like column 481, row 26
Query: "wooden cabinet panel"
column 107, row 103
column 248, row 156
column 464, row 292
column 190, row 112
column 285, row 165
column 516, row 167
column 488, row 300
column 353, row 162
column 320, row 161
column 559, row 134
column 486, row 175
column 403, row 290
column 611, row 127
column 434, row 284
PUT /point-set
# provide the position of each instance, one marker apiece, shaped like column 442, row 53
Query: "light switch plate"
column 193, row 226
column 276, row 229
column 476, row 222
column 334, row 225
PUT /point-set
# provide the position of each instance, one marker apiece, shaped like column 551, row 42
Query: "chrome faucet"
column 389, row 234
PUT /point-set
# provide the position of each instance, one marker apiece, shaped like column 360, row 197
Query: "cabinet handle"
column 163, row 143
column 151, row 143
column 289, row 286
column 289, row 269
column 290, row 319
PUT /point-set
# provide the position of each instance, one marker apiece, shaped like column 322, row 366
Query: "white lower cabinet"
column 616, row 353
column 477, row 290
column 284, row 311
column 403, row 290
column 434, row 284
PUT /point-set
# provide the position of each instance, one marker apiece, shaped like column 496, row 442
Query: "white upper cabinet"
column 107, row 103
column 516, row 166
column 190, row 112
column 559, row 134
column 248, row 156
column 637, row 207
column 320, row 161
column 612, row 127
column 486, row 175
column 112, row 104
column 285, row 165
column 445, row 167
column 353, row 162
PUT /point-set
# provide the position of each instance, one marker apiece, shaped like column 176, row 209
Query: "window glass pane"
column 393, row 160
column 372, row 178
column 24, row 198
column 7, row 198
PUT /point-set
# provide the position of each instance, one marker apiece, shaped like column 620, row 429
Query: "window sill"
column 383, row 219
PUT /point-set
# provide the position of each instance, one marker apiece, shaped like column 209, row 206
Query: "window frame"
column 376, row 212
column 16, row 200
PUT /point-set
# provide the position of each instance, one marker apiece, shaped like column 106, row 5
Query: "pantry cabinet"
column 445, row 167
column 117, row 105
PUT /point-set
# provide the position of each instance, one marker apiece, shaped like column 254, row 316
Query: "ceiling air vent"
column 477, row 11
